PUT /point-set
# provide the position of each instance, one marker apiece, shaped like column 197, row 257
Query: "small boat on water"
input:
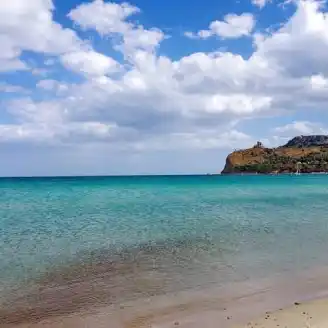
column 298, row 168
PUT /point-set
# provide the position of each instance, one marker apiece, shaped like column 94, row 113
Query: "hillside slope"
column 306, row 153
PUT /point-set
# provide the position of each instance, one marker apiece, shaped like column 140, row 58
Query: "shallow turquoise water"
column 227, row 227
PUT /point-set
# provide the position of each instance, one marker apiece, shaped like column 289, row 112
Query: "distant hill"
column 308, row 141
column 307, row 154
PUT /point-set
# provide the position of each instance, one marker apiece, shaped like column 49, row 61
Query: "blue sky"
column 156, row 87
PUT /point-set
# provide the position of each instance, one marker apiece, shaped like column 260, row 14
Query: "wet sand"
column 232, row 305
column 105, row 277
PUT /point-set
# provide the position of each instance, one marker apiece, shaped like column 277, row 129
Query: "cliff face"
column 307, row 153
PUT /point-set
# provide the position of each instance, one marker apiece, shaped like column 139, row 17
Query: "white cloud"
column 299, row 47
column 59, row 88
column 47, row 84
column 11, row 64
column 233, row 26
column 318, row 82
column 300, row 128
column 50, row 62
column 25, row 133
column 260, row 3
column 57, row 134
column 110, row 19
column 28, row 25
column 154, row 102
column 190, row 35
column 10, row 88
column 204, row 139
column 25, row 110
column 89, row 63
column 39, row 71
column 104, row 17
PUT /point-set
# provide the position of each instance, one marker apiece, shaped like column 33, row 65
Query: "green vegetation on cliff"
column 307, row 154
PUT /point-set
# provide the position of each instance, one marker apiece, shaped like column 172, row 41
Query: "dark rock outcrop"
column 308, row 141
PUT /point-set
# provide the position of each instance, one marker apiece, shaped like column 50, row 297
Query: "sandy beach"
column 300, row 300
column 311, row 314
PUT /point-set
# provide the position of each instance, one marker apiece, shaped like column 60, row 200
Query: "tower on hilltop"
column 259, row 144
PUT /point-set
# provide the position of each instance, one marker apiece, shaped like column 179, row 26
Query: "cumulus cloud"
column 105, row 17
column 28, row 25
column 110, row 19
column 151, row 101
column 233, row 26
column 295, row 47
column 89, row 63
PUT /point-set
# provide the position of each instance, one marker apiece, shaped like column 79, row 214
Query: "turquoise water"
column 192, row 231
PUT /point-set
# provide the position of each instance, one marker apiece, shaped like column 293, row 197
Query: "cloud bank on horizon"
column 94, row 89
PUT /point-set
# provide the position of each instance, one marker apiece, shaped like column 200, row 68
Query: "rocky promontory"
column 304, row 154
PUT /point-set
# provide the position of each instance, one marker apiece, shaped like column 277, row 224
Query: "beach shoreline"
column 226, row 306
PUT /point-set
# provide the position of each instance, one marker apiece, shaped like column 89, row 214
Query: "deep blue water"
column 200, row 229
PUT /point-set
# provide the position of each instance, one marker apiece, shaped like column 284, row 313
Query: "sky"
column 156, row 87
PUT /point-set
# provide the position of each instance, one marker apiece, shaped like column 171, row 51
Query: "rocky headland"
column 303, row 154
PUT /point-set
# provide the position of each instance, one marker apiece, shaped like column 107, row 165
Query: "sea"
column 130, row 237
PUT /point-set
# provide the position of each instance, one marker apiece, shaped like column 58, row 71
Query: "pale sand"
column 221, row 307
column 308, row 315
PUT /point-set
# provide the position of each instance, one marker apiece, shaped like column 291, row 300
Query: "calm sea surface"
column 153, row 235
